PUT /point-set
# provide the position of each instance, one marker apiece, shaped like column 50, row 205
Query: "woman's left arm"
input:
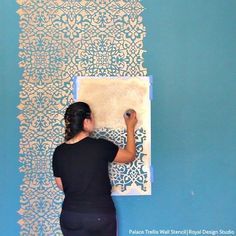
column 59, row 183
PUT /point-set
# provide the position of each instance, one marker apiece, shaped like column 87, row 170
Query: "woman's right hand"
column 128, row 154
column 131, row 120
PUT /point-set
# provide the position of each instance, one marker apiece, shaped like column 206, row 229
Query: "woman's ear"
column 85, row 124
column 88, row 125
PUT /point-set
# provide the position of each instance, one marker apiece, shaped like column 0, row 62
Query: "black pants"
column 88, row 224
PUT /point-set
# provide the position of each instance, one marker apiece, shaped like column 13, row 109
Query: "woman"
column 80, row 167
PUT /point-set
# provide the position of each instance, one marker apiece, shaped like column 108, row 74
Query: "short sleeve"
column 110, row 150
column 55, row 164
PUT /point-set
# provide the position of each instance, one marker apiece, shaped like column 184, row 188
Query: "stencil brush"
column 129, row 112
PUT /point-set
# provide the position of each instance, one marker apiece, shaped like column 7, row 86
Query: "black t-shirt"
column 83, row 169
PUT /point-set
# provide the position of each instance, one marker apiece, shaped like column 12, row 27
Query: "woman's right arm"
column 129, row 152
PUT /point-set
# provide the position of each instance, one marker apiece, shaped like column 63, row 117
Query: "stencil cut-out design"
column 109, row 98
column 59, row 39
column 132, row 178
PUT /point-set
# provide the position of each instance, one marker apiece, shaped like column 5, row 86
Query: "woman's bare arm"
column 129, row 152
column 59, row 183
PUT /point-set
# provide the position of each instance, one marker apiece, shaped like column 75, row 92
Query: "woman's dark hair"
column 74, row 117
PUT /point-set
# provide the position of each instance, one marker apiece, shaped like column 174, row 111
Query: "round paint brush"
column 128, row 112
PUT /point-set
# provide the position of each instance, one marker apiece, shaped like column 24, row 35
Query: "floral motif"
column 126, row 177
column 60, row 39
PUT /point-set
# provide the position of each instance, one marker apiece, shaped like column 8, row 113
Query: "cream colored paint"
column 110, row 97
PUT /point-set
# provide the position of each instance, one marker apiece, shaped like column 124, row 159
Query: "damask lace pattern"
column 127, row 177
column 60, row 39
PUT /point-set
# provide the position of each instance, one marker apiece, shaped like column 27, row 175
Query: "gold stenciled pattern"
column 60, row 39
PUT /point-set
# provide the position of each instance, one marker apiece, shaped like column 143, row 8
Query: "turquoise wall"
column 191, row 52
column 10, row 74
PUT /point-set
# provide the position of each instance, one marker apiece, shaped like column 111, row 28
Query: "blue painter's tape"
column 75, row 88
column 152, row 174
column 150, row 87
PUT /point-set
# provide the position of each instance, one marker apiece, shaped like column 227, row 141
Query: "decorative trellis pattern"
column 131, row 178
column 59, row 39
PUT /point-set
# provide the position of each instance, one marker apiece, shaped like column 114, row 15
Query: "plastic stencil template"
column 109, row 98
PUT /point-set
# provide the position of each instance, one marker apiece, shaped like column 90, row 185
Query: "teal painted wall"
column 10, row 74
column 191, row 52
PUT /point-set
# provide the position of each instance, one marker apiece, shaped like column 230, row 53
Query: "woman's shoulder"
column 91, row 140
column 102, row 140
column 59, row 147
column 106, row 142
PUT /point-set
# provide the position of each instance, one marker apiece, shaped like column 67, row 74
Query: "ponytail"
column 74, row 117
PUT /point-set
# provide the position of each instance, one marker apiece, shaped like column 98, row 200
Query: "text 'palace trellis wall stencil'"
column 60, row 39
column 109, row 98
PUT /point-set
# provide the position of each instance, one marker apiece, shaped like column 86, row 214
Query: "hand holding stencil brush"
column 130, row 118
column 128, row 112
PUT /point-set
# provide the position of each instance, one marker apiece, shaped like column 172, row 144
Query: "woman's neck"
column 78, row 137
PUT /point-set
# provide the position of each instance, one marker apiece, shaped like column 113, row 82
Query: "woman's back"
column 80, row 167
column 83, row 169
